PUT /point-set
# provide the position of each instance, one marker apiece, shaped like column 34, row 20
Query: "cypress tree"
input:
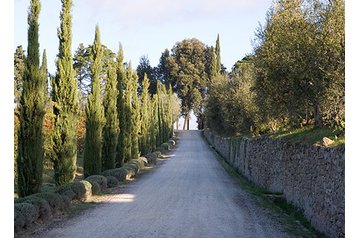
column 170, row 112
column 95, row 119
column 154, row 122
column 44, row 71
column 217, row 54
column 145, row 117
column 135, row 118
column 127, row 127
column 121, row 78
column 32, row 111
column 65, row 103
column 111, row 128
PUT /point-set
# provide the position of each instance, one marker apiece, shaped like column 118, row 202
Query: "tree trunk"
column 318, row 119
column 185, row 121
column 187, row 124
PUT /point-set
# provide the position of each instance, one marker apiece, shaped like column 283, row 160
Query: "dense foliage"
column 295, row 77
column 31, row 110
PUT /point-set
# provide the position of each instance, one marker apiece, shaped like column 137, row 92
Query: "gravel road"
column 190, row 195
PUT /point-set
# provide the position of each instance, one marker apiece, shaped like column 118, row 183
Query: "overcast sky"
column 147, row 27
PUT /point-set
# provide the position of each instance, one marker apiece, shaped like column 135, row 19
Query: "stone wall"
column 310, row 177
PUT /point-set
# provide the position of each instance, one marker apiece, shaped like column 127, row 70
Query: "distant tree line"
column 93, row 94
column 294, row 78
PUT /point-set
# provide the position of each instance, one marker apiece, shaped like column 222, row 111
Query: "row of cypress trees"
column 120, row 124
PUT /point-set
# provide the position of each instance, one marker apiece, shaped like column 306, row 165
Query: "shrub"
column 82, row 189
column 151, row 158
column 41, row 205
column 99, row 179
column 165, row 146
column 132, row 170
column 118, row 173
column 143, row 160
column 29, row 213
column 158, row 154
column 66, row 190
column 55, row 200
column 171, row 142
column 19, row 219
column 96, row 189
column 48, row 187
column 112, row 181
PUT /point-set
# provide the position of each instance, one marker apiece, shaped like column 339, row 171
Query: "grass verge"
column 293, row 219
column 311, row 135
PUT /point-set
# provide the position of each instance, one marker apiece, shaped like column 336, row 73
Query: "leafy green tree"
column 65, row 103
column 94, row 114
column 32, row 111
column 121, row 108
column 144, row 68
column 111, row 128
column 136, row 122
column 145, row 118
column 188, row 75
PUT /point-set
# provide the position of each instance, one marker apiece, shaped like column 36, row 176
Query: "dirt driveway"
column 190, row 195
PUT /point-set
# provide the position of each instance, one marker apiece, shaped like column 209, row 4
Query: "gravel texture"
column 190, row 195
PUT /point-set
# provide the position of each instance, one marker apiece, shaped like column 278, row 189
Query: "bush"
column 165, row 146
column 143, row 160
column 82, row 189
column 158, row 154
column 118, row 173
column 19, row 219
column 112, row 181
column 55, row 200
column 151, row 158
column 99, row 179
column 41, row 204
column 96, row 189
column 29, row 214
column 171, row 142
column 48, row 187
column 66, row 191
column 132, row 169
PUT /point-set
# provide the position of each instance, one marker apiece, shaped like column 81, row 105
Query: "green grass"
column 310, row 135
column 293, row 219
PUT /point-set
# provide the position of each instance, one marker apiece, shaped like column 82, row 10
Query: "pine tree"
column 65, row 103
column 127, row 127
column 95, row 119
column 111, row 128
column 32, row 111
column 135, row 118
column 121, row 78
column 217, row 54
column 145, row 117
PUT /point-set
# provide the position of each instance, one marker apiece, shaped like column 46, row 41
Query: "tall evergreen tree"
column 121, row 79
column 65, row 103
column 154, row 122
column 135, row 117
column 217, row 54
column 94, row 114
column 145, row 117
column 19, row 70
column 170, row 112
column 32, row 111
column 127, row 127
column 111, row 128
column 44, row 71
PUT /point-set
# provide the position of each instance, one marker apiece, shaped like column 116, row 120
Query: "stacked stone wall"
column 310, row 177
